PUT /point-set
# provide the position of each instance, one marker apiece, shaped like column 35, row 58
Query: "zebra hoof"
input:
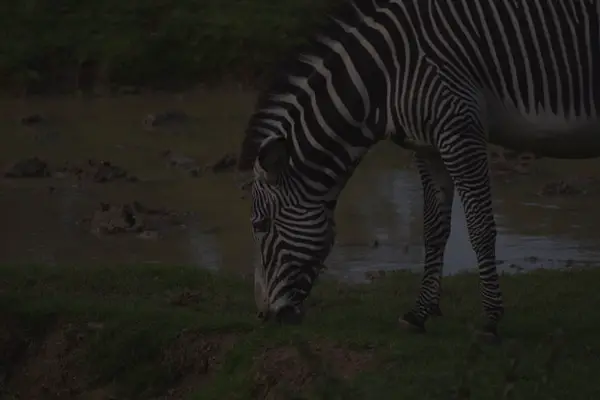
column 488, row 333
column 435, row 311
column 412, row 323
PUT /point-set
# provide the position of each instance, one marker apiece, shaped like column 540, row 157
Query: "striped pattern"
column 293, row 242
column 452, row 75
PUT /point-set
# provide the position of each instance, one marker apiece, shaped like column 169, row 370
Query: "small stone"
column 128, row 90
column 561, row 188
column 164, row 119
column 33, row 119
column 148, row 235
column 516, row 267
column 33, row 167
column 225, row 163
column 183, row 162
column 95, row 326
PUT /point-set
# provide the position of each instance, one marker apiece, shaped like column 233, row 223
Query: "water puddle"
column 176, row 161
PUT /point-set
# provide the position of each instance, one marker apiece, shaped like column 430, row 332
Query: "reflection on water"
column 379, row 216
column 533, row 232
column 380, row 228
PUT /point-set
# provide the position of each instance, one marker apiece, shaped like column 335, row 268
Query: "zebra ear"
column 273, row 159
column 261, row 225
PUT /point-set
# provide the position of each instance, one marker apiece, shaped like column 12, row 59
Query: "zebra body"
column 543, row 132
column 450, row 75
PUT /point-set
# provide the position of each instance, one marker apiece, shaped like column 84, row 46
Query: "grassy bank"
column 155, row 332
column 70, row 45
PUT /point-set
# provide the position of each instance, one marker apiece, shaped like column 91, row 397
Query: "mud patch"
column 13, row 344
column 42, row 129
column 94, row 170
column 280, row 369
column 283, row 370
column 33, row 120
column 191, row 166
column 192, row 358
column 91, row 170
column 575, row 187
column 54, row 367
column 132, row 218
column 169, row 121
column 186, row 297
column 226, row 163
column 32, row 167
column 182, row 162
column 344, row 362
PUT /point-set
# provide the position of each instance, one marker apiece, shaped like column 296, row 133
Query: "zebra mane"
column 294, row 65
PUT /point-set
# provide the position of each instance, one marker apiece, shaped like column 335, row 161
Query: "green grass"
column 148, row 329
column 48, row 45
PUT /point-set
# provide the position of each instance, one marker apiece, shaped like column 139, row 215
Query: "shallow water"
column 379, row 215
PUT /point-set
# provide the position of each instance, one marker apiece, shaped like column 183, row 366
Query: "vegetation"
column 49, row 45
column 157, row 332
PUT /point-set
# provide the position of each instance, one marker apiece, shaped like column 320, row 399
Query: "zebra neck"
column 332, row 103
column 321, row 179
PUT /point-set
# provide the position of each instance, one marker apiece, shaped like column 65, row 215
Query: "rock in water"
column 33, row 167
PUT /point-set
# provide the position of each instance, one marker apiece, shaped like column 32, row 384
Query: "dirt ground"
column 55, row 365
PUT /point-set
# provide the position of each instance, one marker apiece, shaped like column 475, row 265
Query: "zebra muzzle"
column 288, row 315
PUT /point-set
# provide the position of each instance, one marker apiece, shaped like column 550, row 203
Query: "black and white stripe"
column 450, row 75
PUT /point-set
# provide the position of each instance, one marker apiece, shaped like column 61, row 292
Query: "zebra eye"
column 261, row 225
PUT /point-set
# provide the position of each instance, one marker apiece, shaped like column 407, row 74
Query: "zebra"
column 441, row 78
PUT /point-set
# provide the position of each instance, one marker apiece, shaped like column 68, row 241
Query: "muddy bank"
column 51, row 365
column 55, row 363
column 284, row 369
column 193, row 167
column 576, row 186
column 64, row 332
column 32, row 167
column 133, row 219
column 100, row 171
column 92, row 170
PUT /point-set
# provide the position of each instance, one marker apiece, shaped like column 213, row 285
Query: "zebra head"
column 294, row 235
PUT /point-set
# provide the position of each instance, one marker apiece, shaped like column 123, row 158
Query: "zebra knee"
column 483, row 238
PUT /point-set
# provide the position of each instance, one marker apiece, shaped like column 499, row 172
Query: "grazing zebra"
column 440, row 77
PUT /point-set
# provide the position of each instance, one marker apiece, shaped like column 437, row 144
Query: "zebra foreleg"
column 467, row 162
column 438, row 193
